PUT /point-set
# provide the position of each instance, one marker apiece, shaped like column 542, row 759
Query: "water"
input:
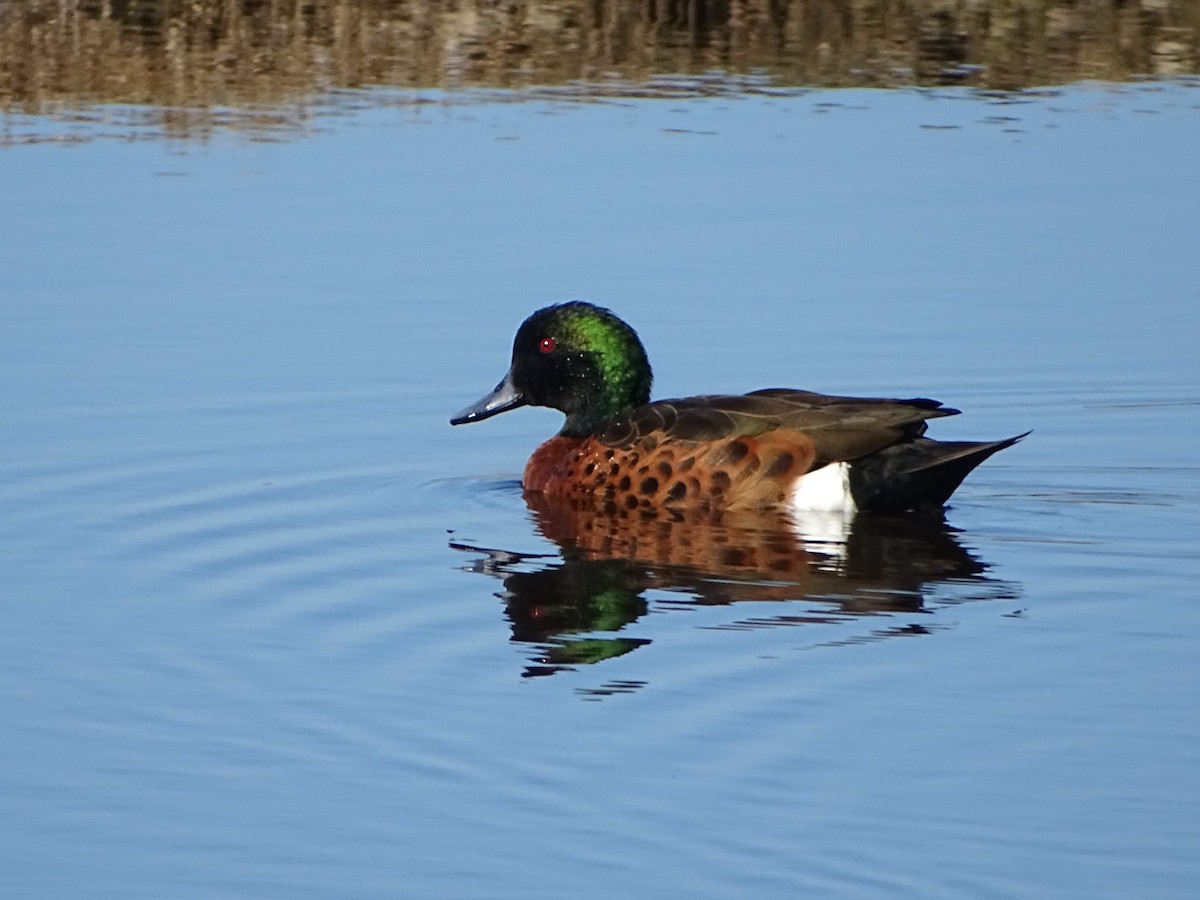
column 270, row 627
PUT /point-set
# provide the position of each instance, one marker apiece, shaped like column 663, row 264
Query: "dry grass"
column 203, row 59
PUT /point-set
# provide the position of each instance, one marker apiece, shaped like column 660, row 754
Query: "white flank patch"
column 825, row 490
column 821, row 511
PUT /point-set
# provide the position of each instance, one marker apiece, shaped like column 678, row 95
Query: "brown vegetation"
column 279, row 55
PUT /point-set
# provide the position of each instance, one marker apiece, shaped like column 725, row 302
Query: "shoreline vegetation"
column 191, row 66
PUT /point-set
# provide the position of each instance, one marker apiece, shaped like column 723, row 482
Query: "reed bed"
column 238, row 61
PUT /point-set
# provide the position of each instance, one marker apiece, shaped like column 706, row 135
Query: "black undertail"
column 917, row 474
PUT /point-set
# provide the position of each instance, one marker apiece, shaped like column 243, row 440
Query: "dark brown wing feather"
column 840, row 428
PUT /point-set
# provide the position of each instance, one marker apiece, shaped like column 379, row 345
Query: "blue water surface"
column 269, row 625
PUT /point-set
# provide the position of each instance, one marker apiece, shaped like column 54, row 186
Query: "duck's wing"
column 836, row 428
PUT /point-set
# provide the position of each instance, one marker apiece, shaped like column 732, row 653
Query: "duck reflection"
column 573, row 608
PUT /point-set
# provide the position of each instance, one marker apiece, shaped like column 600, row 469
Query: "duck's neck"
column 593, row 419
column 612, row 392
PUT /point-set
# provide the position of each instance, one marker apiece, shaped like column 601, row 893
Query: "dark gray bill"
column 502, row 399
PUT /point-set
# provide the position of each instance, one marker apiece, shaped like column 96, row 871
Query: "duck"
column 780, row 448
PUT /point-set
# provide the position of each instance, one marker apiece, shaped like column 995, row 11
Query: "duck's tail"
column 917, row 474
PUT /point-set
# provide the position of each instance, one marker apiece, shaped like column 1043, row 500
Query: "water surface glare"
column 270, row 627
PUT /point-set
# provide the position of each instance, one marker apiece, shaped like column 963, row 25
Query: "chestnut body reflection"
column 578, row 608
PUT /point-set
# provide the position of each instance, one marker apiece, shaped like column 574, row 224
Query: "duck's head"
column 573, row 357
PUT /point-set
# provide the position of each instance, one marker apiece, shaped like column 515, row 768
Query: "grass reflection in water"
column 268, row 67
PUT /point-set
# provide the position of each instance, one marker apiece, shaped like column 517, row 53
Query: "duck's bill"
column 502, row 399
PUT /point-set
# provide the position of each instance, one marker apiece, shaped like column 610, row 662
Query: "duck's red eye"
column 546, row 345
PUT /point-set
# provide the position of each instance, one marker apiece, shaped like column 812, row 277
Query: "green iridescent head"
column 575, row 357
